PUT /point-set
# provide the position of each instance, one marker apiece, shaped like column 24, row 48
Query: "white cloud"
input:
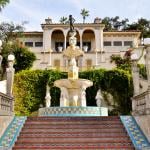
column 35, row 11
column 77, row 3
column 3, row 18
column 27, row 12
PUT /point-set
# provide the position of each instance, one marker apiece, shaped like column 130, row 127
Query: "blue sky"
column 35, row 11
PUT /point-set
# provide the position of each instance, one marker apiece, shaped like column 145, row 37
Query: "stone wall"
column 144, row 123
column 141, row 104
column 4, row 122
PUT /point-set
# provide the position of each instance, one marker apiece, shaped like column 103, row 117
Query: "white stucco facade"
column 48, row 45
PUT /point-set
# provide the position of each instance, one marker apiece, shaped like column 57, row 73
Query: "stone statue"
column 99, row 98
column 72, row 32
column 10, row 74
column 64, row 97
column 48, row 96
column 83, row 96
column 71, row 21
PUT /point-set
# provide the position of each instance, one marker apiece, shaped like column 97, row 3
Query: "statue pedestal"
column 73, row 111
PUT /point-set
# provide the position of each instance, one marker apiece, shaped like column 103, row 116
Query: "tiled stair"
column 41, row 133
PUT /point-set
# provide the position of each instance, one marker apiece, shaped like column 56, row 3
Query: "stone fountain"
column 73, row 89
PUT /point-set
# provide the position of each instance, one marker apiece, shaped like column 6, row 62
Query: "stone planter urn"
column 85, row 48
column 60, row 48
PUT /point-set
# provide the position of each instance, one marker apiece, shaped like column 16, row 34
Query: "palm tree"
column 124, row 23
column 3, row 4
column 63, row 20
column 115, row 22
column 84, row 13
column 107, row 22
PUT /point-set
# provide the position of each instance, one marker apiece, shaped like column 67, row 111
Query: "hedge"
column 30, row 87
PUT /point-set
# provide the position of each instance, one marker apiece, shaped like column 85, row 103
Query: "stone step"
column 51, row 140
column 73, row 133
column 78, row 134
column 104, row 143
column 71, row 140
column 74, row 136
column 105, row 130
column 93, row 147
column 48, row 122
column 113, row 118
column 72, row 126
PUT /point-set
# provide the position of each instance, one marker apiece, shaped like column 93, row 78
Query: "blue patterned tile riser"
column 73, row 111
column 136, row 135
column 10, row 135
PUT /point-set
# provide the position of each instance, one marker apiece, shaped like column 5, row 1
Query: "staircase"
column 41, row 133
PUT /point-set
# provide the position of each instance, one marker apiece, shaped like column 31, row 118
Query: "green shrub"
column 116, row 82
column 23, row 58
column 142, row 71
column 30, row 89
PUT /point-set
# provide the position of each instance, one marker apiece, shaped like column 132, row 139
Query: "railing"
column 141, row 103
column 6, row 105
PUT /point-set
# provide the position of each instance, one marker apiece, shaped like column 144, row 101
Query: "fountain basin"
column 73, row 91
column 73, row 84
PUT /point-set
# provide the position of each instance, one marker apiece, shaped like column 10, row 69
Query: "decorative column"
column 47, row 39
column 47, row 33
column 81, row 43
column 99, row 29
column 65, row 33
column 97, row 39
column 101, row 39
column 65, row 61
column 10, row 75
column 135, row 74
column 65, row 40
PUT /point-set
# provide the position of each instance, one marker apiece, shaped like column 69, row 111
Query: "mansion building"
column 98, row 45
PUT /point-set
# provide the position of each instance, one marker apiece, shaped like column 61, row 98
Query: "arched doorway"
column 88, row 40
column 57, row 40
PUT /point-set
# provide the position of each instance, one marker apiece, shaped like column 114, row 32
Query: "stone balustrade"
column 83, row 68
column 141, row 103
column 6, row 105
